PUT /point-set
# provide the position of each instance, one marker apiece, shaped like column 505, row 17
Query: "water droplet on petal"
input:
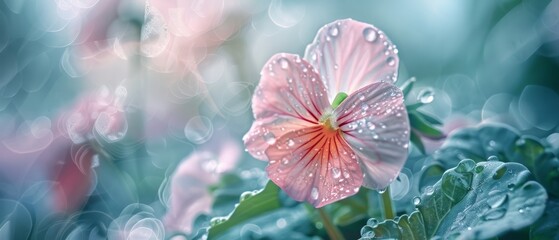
column 270, row 138
column 492, row 158
column 284, row 64
column 391, row 61
column 370, row 34
column 336, row 172
column 427, row 95
column 290, row 142
column 314, row 193
column 333, row 31
column 346, row 175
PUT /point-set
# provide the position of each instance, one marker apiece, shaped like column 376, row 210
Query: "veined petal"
column 289, row 96
column 374, row 123
column 266, row 131
column 314, row 164
column 350, row 55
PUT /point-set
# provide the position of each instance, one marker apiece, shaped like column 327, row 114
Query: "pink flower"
column 189, row 195
column 319, row 152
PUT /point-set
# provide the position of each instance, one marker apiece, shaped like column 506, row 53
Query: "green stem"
column 387, row 204
column 331, row 229
column 340, row 97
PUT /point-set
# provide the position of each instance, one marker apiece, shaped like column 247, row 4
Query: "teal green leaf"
column 264, row 201
column 500, row 142
column 470, row 201
column 408, row 86
column 416, row 140
column 547, row 227
column 422, row 126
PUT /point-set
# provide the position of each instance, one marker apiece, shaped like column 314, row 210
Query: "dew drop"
column 497, row 200
column 429, row 190
column 381, row 191
column 499, row 173
column 336, row 172
column 416, row 201
column 371, row 126
column 370, row 34
column 346, row 175
column 367, row 232
column 314, row 193
column 391, row 61
column 284, row 64
column 246, row 195
column 494, row 214
column 290, row 142
column 372, row 222
column 479, row 168
column 427, row 95
column 333, row 31
column 466, row 165
column 217, row 220
column 511, row 186
column 285, row 161
column 281, row 223
column 270, row 138
column 492, row 158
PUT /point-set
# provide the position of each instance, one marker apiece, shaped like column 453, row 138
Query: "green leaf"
column 547, row 227
column 351, row 209
column 504, row 143
column 470, row 201
column 262, row 202
column 422, row 126
column 416, row 140
column 430, row 119
column 407, row 86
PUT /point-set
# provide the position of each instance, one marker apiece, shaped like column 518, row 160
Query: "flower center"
column 328, row 120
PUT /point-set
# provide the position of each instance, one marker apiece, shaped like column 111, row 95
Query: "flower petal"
column 314, row 164
column 289, row 96
column 374, row 123
column 350, row 55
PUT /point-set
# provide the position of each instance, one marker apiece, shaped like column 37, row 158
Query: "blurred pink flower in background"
column 189, row 185
column 322, row 153
column 61, row 157
column 178, row 34
column 160, row 67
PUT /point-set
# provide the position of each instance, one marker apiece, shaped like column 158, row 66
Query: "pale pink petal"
column 350, row 55
column 314, row 164
column 189, row 195
column 375, row 125
column 289, row 96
